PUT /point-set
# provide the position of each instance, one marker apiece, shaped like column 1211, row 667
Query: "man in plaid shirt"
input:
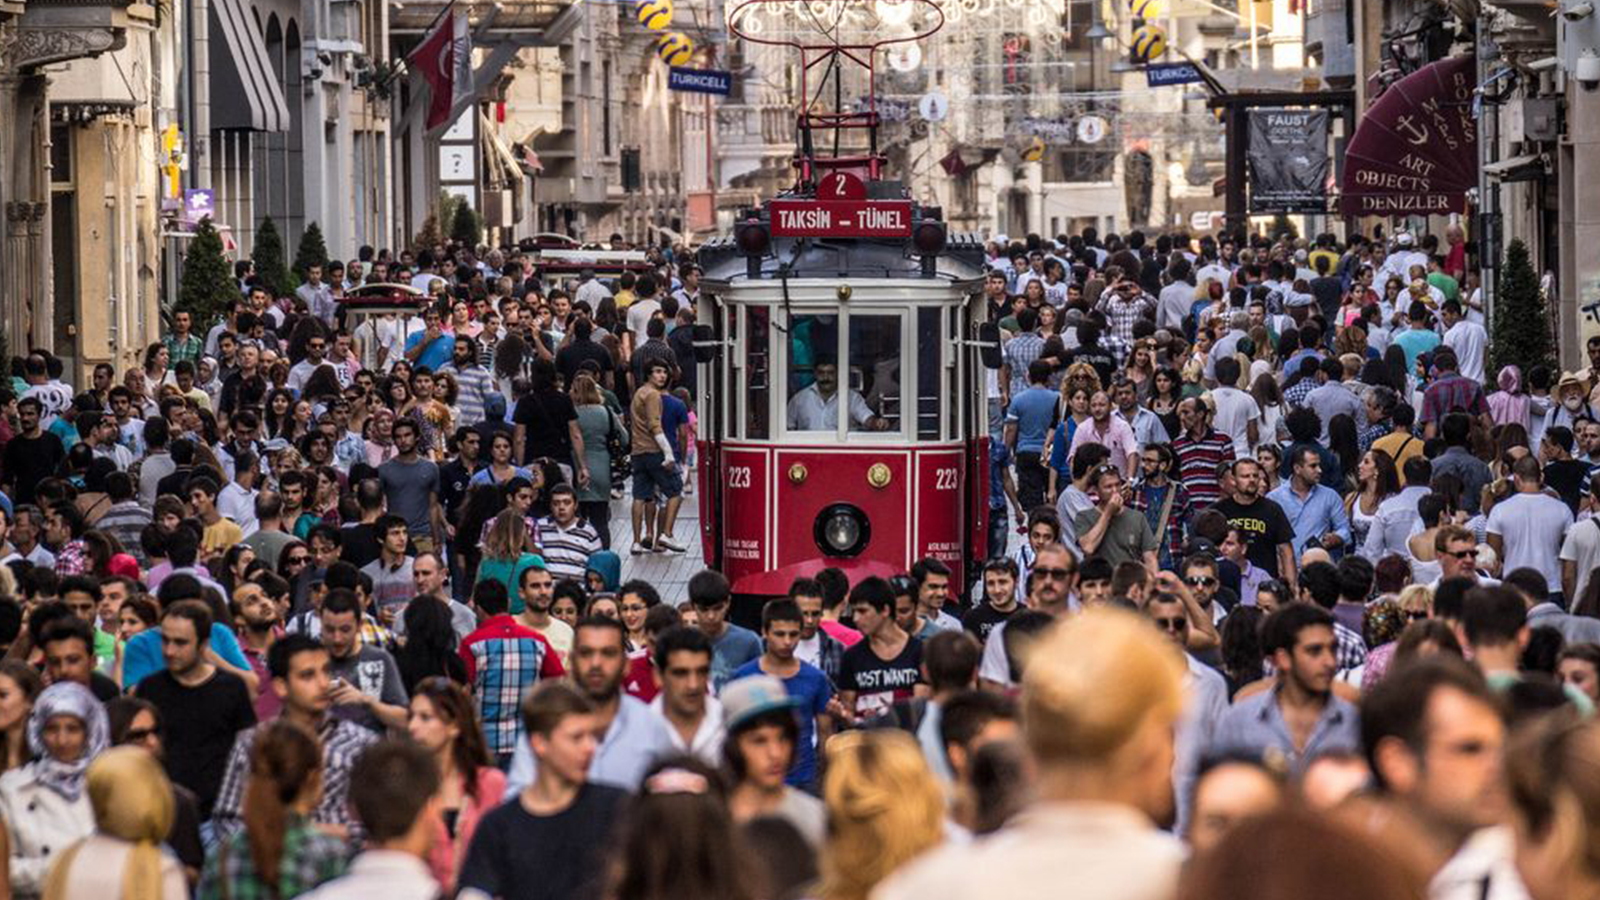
column 302, row 674
column 1123, row 305
column 503, row 659
column 181, row 344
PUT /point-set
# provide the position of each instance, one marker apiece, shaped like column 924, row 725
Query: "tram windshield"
column 862, row 382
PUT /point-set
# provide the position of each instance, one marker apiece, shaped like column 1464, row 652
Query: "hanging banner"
column 1288, row 160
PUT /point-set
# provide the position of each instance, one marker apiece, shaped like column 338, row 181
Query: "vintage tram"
column 842, row 390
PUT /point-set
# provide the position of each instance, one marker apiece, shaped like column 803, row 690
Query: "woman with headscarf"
column 44, row 804
column 1509, row 405
column 123, row 859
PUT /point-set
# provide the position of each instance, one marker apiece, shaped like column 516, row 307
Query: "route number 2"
column 944, row 479
column 739, row 476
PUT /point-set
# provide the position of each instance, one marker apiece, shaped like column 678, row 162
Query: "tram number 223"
column 738, row 477
column 944, row 479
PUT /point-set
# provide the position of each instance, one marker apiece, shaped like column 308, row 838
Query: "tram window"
column 875, row 373
column 759, row 375
column 928, row 374
column 959, row 354
column 813, row 373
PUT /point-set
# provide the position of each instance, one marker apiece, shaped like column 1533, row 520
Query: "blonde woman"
column 123, row 860
column 506, row 552
column 885, row 808
column 1416, row 604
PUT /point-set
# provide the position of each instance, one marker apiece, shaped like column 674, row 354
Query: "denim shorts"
column 650, row 477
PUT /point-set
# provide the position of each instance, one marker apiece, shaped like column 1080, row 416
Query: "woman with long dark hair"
column 482, row 504
column 1377, row 480
column 429, row 650
column 1346, row 445
column 444, row 721
column 279, row 854
column 1166, row 392
column 679, row 841
column 278, row 415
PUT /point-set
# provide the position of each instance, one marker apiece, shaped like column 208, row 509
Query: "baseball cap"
column 752, row 696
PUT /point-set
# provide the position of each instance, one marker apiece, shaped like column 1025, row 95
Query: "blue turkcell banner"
column 700, row 81
column 1165, row 74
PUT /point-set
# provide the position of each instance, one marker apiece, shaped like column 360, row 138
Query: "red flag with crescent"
column 444, row 60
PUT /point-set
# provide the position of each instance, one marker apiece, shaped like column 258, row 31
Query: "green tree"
column 313, row 251
column 429, row 236
column 207, row 285
column 464, row 227
column 269, row 260
column 1521, row 332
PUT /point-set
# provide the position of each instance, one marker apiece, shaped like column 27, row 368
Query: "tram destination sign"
column 841, row 218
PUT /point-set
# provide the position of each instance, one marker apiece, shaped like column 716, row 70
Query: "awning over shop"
column 1415, row 150
column 244, row 86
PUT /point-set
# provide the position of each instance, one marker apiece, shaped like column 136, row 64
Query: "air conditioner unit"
column 1534, row 119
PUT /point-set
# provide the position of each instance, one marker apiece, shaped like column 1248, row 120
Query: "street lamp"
column 1098, row 32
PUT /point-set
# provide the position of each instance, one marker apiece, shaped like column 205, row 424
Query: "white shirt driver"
column 808, row 411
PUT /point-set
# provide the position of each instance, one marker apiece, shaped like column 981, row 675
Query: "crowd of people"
column 1287, row 594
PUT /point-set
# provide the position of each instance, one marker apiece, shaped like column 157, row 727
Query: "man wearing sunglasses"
column 1205, row 691
column 1051, row 581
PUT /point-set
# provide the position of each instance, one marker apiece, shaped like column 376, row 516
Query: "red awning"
column 1415, row 151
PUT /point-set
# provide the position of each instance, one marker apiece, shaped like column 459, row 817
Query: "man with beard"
column 631, row 738
column 202, row 707
column 1051, row 582
column 1262, row 521
column 537, row 593
column 473, row 381
column 1433, row 733
column 682, row 657
column 257, row 619
column 1299, row 718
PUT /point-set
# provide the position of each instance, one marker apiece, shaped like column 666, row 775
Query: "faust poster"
column 1288, row 160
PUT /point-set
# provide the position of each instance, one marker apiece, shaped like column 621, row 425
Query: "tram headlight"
column 841, row 530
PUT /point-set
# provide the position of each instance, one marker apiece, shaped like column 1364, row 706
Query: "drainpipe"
column 200, row 93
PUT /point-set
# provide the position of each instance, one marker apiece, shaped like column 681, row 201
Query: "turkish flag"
column 444, row 60
column 953, row 164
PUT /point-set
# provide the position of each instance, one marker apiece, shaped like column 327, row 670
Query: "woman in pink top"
column 443, row 721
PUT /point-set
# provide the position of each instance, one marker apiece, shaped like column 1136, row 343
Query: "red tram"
column 842, row 408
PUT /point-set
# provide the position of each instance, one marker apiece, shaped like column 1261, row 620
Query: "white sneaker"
column 639, row 548
column 668, row 545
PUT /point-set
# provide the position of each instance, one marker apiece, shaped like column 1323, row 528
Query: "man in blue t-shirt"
column 431, row 346
column 1028, row 421
column 780, row 630
column 731, row 645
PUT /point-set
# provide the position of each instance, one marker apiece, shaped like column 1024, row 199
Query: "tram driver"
column 815, row 407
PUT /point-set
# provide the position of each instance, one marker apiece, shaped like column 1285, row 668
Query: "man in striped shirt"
column 473, row 381
column 1199, row 449
column 565, row 540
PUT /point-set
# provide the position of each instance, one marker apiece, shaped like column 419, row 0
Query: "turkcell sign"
column 699, row 81
column 841, row 218
column 1171, row 73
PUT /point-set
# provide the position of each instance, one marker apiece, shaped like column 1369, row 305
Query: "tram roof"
column 722, row 260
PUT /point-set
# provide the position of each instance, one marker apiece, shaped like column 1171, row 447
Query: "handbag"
column 618, row 448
